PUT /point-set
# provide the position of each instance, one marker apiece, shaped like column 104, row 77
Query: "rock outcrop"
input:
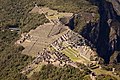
column 116, row 5
column 105, row 32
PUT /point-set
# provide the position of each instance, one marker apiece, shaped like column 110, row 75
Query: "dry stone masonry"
column 76, row 41
column 53, row 54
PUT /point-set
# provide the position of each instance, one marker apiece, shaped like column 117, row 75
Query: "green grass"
column 65, row 44
column 56, row 16
column 70, row 54
column 73, row 50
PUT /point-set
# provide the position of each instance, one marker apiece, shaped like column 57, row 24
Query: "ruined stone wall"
column 75, row 40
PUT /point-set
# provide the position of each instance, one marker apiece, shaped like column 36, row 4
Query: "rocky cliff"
column 105, row 32
column 116, row 5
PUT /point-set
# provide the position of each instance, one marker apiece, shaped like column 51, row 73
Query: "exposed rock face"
column 109, row 29
column 75, row 41
column 105, row 34
column 116, row 5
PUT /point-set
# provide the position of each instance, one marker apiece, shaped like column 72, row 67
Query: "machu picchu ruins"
column 59, row 40
column 60, row 45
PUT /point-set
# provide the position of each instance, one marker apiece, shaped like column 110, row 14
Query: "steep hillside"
column 116, row 5
column 15, row 14
column 105, row 32
column 96, row 20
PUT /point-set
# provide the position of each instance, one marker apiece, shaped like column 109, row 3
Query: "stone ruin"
column 24, row 37
column 57, row 58
column 77, row 41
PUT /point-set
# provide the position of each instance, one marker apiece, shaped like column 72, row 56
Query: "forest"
column 16, row 13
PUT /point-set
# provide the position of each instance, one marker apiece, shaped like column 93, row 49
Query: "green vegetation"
column 105, row 77
column 83, row 67
column 11, row 61
column 37, row 69
column 114, row 63
column 15, row 13
column 13, row 10
column 71, row 53
column 32, row 21
column 50, row 72
column 109, row 67
column 74, row 6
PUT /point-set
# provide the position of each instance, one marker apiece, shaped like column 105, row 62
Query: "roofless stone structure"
column 76, row 41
